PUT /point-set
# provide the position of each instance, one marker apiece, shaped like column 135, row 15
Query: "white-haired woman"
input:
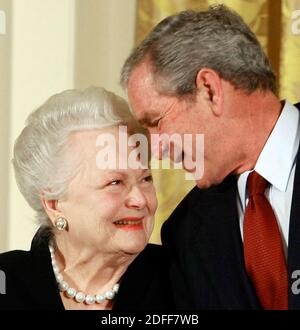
column 91, row 251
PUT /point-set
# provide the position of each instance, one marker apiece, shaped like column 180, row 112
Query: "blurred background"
column 47, row 46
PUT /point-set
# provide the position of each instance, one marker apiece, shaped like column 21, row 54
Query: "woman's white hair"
column 42, row 162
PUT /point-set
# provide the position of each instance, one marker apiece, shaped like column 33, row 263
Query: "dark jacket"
column 31, row 284
column 205, row 249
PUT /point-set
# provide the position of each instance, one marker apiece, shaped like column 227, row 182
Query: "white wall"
column 41, row 64
column 104, row 38
column 55, row 45
column 5, row 54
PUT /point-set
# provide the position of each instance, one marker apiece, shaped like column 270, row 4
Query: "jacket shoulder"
column 190, row 200
column 194, row 210
column 16, row 260
column 153, row 253
column 153, row 291
column 182, row 213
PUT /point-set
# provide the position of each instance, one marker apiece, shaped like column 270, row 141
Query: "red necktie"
column 263, row 250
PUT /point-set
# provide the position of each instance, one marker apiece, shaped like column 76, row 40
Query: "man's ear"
column 209, row 85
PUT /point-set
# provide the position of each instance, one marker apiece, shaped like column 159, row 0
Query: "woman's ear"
column 51, row 208
column 209, row 86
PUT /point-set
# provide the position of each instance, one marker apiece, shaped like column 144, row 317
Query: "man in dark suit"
column 234, row 243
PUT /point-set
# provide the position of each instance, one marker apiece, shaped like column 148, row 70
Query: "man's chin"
column 203, row 183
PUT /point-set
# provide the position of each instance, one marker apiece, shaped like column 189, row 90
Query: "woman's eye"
column 115, row 182
column 148, row 178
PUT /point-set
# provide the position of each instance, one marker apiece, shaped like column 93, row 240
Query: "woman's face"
column 108, row 210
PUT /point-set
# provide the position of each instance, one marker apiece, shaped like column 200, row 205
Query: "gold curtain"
column 271, row 21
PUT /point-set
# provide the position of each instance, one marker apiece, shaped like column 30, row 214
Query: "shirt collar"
column 276, row 160
column 278, row 155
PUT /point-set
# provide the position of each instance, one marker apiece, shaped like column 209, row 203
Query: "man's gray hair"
column 44, row 162
column 180, row 45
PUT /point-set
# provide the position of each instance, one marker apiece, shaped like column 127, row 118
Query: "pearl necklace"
column 79, row 297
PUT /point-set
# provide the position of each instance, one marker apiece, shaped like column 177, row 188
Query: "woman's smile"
column 130, row 223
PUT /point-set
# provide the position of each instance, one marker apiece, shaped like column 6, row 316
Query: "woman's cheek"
column 152, row 202
column 111, row 202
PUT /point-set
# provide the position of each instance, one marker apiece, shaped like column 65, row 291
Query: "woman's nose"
column 136, row 199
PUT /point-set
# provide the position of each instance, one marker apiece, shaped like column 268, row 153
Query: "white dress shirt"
column 276, row 163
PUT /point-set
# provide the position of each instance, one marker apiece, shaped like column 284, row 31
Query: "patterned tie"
column 263, row 250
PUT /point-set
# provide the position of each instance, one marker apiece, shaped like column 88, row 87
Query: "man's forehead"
column 142, row 73
column 141, row 85
column 143, row 98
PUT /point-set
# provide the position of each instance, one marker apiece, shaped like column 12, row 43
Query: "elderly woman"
column 91, row 250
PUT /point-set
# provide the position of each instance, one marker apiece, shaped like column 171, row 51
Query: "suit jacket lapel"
column 294, row 237
column 223, row 249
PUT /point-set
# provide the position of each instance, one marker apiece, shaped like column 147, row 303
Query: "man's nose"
column 157, row 151
column 159, row 148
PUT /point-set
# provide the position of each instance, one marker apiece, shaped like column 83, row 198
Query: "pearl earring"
column 61, row 223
